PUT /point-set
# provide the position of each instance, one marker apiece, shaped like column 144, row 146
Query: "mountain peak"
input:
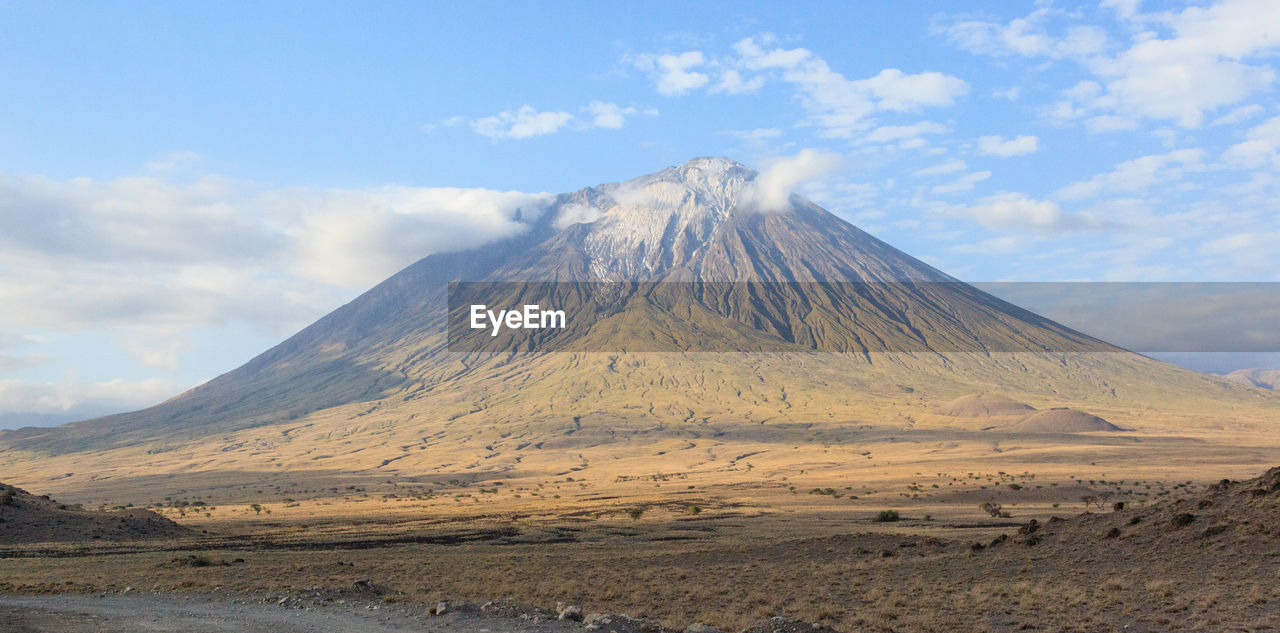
column 709, row 174
column 648, row 224
column 704, row 167
column 702, row 219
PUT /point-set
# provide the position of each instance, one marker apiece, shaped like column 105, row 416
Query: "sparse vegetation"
column 850, row 580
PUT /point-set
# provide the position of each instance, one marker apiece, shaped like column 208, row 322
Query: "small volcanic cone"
column 984, row 405
column 1063, row 420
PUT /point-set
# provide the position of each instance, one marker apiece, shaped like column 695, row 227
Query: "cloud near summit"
column 84, row 253
column 772, row 188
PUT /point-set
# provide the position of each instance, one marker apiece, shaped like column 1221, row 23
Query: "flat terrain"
column 945, row 564
column 212, row 614
column 885, row 514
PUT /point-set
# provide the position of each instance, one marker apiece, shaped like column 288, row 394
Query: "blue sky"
column 184, row 184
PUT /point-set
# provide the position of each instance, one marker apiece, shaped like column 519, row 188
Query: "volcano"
column 375, row 385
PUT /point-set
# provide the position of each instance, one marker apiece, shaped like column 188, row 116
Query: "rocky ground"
column 1207, row 559
column 357, row 611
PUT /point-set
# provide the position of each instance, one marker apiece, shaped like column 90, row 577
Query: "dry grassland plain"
column 850, row 524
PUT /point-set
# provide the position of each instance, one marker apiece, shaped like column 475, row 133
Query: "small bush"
column 635, row 513
column 192, row 560
column 887, row 516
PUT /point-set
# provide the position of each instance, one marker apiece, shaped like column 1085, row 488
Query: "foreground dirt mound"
column 1241, row 518
column 26, row 518
column 1062, row 420
column 984, row 405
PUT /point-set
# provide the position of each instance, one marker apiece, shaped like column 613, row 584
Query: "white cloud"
column 11, row 362
column 576, row 214
column 756, row 58
column 1200, row 63
column 1259, row 147
column 84, row 398
column 354, row 238
column 149, row 253
column 524, row 122
column 842, row 107
column 995, row 246
column 612, row 116
column 1239, row 114
column 731, row 82
column 1254, row 252
column 1199, row 68
column 890, row 133
column 757, row 135
column 571, row 214
column 999, row 146
column 839, row 106
column 175, row 162
column 672, row 74
column 131, row 218
column 1027, row 36
column 1009, row 94
column 156, row 349
column 1105, row 123
column 964, row 183
column 948, row 167
column 1239, row 242
column 896, row 90
column 1125, row 9
column 1138, row 174
column 772, row 188
column 527, row 122
column 1018, row 211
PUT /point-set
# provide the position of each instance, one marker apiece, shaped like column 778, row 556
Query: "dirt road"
column 146, row 613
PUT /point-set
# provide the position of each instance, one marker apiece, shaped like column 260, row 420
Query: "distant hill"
column 1063, row 420
column 984, row 405
column 1265, row 378
column 19, row 420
